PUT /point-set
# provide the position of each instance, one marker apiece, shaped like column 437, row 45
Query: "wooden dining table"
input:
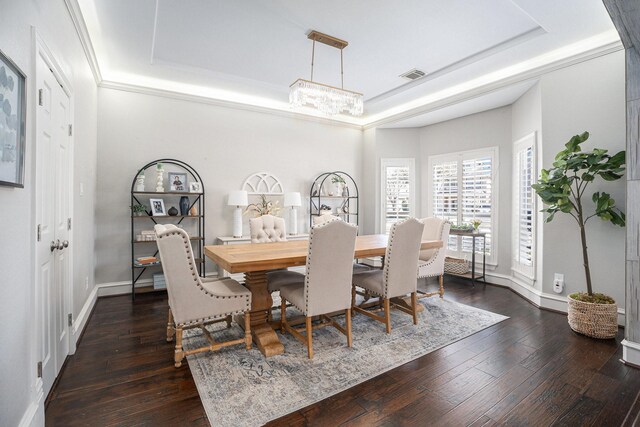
column 255, row 259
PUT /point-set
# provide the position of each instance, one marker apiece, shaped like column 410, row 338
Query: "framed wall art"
column 12, row 123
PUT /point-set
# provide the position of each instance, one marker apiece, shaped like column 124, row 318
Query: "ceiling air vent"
column 413, row 74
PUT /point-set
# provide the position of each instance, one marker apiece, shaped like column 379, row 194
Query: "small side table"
column 474, row 236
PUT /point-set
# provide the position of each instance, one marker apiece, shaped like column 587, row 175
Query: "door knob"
column 65, row 244
column 54, row 245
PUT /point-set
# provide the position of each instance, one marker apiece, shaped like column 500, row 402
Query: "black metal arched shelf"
column 140, row 197
column 345, row 204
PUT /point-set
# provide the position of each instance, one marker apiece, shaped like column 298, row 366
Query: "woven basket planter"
column 456, row 265
column 593, row 320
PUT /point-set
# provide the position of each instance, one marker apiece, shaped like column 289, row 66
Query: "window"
column 524, row 209
column 398, row 200
column 463, row 188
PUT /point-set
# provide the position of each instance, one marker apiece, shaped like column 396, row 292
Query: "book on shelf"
column 144, row 260
column 159, row 281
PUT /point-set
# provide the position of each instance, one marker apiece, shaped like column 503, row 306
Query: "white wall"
column 224, row 145
column 482, row 130
column 588, row 96
column 17, row 371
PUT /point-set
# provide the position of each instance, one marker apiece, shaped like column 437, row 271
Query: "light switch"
column 81, row 189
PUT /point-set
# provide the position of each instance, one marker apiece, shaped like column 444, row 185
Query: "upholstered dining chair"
column 398, row 277
column 327, row 283
column 431, row 261
column 196, row 301
column 266, row 229
column 323, row 219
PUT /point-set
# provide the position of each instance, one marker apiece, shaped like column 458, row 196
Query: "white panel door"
column 52, row 212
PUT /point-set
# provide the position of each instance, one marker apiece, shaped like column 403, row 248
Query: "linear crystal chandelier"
column 329, row 100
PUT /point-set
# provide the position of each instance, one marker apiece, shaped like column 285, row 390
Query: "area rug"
column 243, row 388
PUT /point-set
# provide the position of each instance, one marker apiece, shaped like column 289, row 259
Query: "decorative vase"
column 160, row 180
column 593, row 320
column 184, row 205
column 173, row 211
column 193, row 211
column 345, row 191
column 140, row 183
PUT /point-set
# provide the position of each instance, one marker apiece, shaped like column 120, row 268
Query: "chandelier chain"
column 313, row 56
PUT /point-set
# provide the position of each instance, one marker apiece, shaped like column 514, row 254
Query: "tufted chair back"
column 267, row 228
column 401, row 257
column 189, row 300
column 327, row 285
column 322, row 219
column 435, row 229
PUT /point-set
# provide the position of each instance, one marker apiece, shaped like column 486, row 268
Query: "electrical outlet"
column 86, row 283
column 558, row 283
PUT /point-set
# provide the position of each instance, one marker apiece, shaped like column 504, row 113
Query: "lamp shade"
column 238, row 198
column 292, row 199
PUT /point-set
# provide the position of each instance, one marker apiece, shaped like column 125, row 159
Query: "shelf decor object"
column 327, row 99
column 343, row 205
column 143, row 244
column 293, row 200
column 239, row 199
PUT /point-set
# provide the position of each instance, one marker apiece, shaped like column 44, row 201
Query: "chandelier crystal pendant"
column 329, row 100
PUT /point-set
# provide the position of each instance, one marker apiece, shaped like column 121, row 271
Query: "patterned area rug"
column 242, row 388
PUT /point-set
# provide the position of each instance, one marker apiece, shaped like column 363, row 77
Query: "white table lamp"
column 293, row 200
column 238, row 199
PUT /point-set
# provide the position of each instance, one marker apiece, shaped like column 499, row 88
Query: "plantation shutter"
column 398, row 191
column 524, row 206
column 477, row 198
column 445, row 194
column 463, row 188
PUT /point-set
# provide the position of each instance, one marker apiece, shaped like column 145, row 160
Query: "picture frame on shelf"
column 157, row 207
column 177, row 181
column 12, row 123
column 195, row 187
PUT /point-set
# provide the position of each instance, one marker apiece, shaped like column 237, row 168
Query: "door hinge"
column 70, row 130
column 70, row 317
column 40, row 101
column 68, row 223
column 39, row 232
column 39, row 369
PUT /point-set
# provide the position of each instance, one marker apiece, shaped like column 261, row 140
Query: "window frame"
column 527, row 141
column 409, row 162
column 460, row 157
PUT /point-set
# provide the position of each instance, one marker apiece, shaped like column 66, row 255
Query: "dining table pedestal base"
column 263, row 334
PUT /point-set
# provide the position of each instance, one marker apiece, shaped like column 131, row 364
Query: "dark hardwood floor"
column 529, row 370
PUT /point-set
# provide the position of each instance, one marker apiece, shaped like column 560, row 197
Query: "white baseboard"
column 631, row 352
column 536, row 296
column 81, row 320
column 34, row 415
column 124, row 287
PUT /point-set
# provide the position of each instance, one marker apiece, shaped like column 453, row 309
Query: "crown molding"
column 146, row 90
column 83, row 34
column 476, row 91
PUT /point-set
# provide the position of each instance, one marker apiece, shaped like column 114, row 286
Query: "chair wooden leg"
column 170, row 327
column 283, row 314
column 387, row 314
column 441, row 280
column 179, row 354
column 414, row 307
column 309, row 337
column 347, row 316
column 247, row 330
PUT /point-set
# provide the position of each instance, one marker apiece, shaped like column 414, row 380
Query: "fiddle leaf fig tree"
column 562, row 188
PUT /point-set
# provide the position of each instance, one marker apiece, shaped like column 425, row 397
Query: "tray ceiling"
column 249, row 52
